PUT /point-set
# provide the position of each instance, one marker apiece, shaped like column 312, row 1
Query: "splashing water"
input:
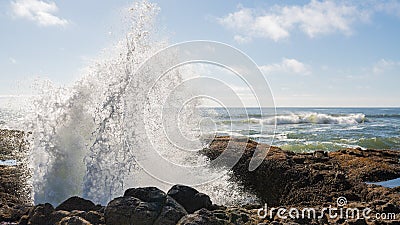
column 79, row 144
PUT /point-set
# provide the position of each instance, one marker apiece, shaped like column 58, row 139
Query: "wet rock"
column 360, row 221
column 146, row 194
column 57, row 216
column 390, row 208
column 201, row 217
column 229, row 215
column 143, row 206
column 121, row 210
column 288, row 178
column 24, row 220
column 12, row 213
column 77, row 203
column 78, row 213
column 74, row 220
column 94, row 217
column 14, row 195
column 368, row 165
column 40, row 214
column 190, row 198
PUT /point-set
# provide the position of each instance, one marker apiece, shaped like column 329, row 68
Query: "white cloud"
column 315, row 18
column 242, row 39
column 384, row 65
column 43, row 13
column 287, row 66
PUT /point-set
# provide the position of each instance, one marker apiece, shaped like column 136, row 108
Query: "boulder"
column 146, row 194
column 57, row 216
column 170, row 213
column 94, row 217
column 201, row 217
column 11, row 212
column 40, row 214
column 77, row 203
column 143, row 206
column 190, row 198
column 73, row 220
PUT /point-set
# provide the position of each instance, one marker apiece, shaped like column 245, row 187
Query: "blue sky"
column 313, row 53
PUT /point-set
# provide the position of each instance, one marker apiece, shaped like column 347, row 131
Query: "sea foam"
column 79, row 142
column 316, row 118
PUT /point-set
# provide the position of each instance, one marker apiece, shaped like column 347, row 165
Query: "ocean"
column 297, row 129
column 308, row 129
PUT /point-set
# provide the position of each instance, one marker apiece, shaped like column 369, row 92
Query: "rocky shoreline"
column 285, row 180
column 14, row 189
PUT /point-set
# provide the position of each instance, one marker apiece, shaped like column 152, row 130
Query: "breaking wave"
column 79, row 145
column 312, row 118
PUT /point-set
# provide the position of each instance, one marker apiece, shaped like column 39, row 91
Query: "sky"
column 313, row 53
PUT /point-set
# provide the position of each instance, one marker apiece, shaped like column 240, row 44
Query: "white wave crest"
column 316, row 118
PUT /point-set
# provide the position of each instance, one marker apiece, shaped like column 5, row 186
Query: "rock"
column 74, row 220
column 13, row 179
column 14, row 196
column 288, row 178
column 57, row 216
column 78, row 213
column 170, row 213
column 201, row 217
column 24, row 220
column 146, row 194
column 360, row 221
column 40, row 214
column 12, row 213
column 390, row 208
column 121, row 210
column 143, row 206
column 77, row 203
column 190, row 198
column 94, row 217
column 368, row 165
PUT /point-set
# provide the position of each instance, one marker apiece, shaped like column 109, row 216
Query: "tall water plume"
column 79, row 144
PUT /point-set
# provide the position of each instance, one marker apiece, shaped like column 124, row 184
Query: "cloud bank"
column 42, row 13
column 278, row 22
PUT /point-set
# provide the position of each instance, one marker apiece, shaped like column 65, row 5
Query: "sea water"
column 308, row 129
column 298, row 129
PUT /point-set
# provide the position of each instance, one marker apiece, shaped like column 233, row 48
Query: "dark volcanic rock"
column 190, row 198
column 288, row 178
column 201, row 217
column 57, row 216
column 368, row 165
column 14, row 191
column 94, row 217
column 40, row 214
column 146, row 194
column 144, row 206
column 77, row 203
column 74, row 220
